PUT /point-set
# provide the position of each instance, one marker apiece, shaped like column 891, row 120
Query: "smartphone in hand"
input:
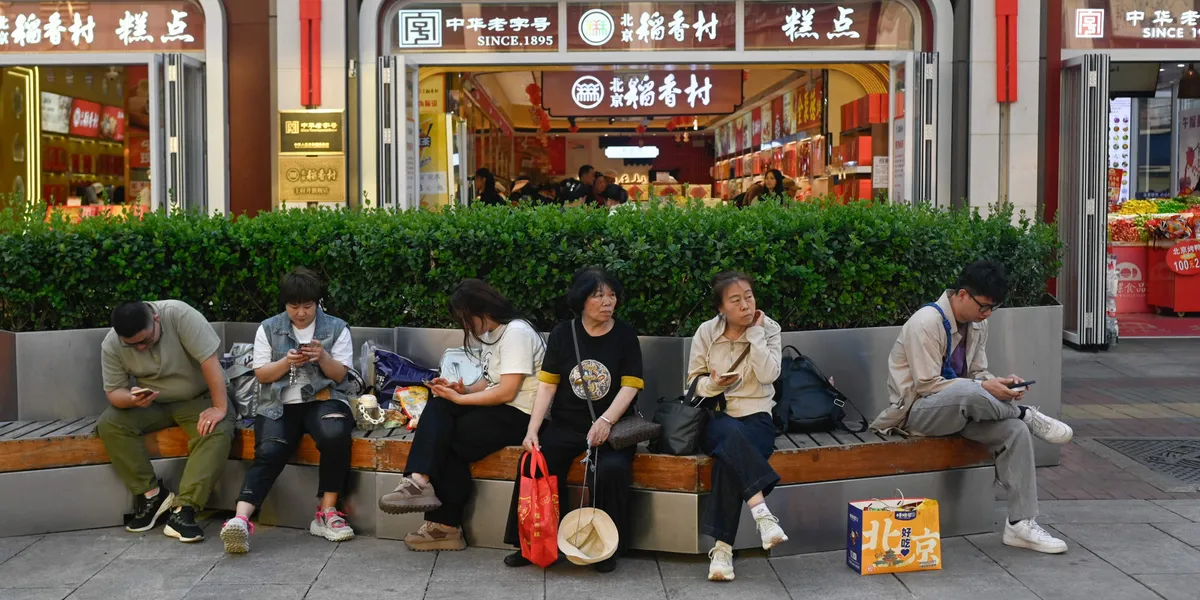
column 141, row 392
column 1022, row 386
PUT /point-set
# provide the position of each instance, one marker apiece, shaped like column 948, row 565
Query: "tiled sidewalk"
column 1141, row 388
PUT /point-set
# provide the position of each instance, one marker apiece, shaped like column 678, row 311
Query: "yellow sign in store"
column 312, row 178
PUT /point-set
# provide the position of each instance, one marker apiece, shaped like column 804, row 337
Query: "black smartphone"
column 1013, row 386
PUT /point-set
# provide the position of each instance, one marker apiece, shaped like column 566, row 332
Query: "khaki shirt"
column 172, row 366
column 915, row 364
column 712, row 352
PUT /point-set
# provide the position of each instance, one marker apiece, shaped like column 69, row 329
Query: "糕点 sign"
column 101, row 26
column 651, row 26
column 477, row 27
column 641, row 93
column 1130, row 24
column 854, row 24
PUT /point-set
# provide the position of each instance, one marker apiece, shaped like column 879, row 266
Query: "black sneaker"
column 182, row 526
column 607, row 565
column 147, row 511
column 516, row 560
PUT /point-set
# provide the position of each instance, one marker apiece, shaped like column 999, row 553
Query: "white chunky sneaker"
column 236, row 535
column 1028, row 534
column 1047, row 428
column 770, row 531
column 721, row 567
column 331, row 524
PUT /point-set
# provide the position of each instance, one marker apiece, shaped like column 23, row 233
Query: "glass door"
column 185, row 172
column 900, row 110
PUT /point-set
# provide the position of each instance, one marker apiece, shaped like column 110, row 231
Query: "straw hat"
column 587, row 536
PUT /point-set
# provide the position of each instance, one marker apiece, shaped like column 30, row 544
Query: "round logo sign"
column 596, row 27
column 587, row 92
column 1184, row 257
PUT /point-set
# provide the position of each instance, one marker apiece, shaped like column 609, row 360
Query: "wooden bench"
column 679, row 481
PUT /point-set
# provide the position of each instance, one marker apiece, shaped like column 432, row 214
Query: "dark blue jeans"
column 741, row 448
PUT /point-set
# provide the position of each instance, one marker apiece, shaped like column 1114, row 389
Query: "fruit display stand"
column 1172, row 287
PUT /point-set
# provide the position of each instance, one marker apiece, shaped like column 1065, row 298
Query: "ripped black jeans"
column 330, row 424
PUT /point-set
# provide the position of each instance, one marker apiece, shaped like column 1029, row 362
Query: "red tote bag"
column 537, row 511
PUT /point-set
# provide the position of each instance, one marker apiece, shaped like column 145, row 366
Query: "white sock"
column 760, row 511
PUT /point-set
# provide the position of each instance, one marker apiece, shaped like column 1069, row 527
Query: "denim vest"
column 279, row 332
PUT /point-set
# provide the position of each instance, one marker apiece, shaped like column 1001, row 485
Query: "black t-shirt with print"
column 612, row 361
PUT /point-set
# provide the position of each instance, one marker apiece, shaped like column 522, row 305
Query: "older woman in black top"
column 612, row 368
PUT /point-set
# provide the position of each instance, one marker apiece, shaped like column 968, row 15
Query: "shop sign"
column 1130, row 24
column 864, row 25
column 311, row 131
column 756, row 132
column 477, row 28
column 1188, row 161
column 112, row 123
column 56, row 113
column 312, row 178
column 777, row 117
column 651, row 26
column 810, row 105
column 644, row 93
column 432, row 96
column 99, row 26
column 85, row 119
column 139, row 149
column 1184, row 257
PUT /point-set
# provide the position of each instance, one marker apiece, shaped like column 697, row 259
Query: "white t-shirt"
column 342, row 351
column 514, row 348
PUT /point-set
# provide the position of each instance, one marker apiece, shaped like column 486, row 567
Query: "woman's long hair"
column 475, row 298
column 779, row 186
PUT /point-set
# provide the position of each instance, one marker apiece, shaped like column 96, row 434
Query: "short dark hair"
column 132, row 318
column 584, row 170
column 722, row 281
column 984, row 278
column 585, row 283
column 301, row 286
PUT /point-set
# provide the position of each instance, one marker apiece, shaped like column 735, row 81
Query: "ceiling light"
column 1181, row 65
column 631, row 152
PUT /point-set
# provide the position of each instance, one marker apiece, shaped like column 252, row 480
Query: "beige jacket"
column 915, row 364
column 754, row 391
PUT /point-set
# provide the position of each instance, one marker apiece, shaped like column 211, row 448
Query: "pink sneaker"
column 331, row 524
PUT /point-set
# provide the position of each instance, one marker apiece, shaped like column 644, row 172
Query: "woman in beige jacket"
column 737, row 354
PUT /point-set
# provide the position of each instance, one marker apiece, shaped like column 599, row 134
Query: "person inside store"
column 302, row 359
column 173, row 357
column 774, row 188
column 747, row 197
column 576, row 190
column 605, row 193
column 485, row 188
column 609, row 362
column 939, row 384
column 737, row 356
column 463, row 424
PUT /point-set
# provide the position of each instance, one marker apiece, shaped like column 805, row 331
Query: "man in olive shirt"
column 171, row 352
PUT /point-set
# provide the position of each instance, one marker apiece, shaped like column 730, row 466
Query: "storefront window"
column 1154, row 147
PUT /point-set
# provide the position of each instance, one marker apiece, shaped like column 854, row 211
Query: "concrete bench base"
column 814, row 514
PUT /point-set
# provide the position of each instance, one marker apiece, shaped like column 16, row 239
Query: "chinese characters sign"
column 810, row 106
column 642, row 93
column 1184, row 257
column 651, row 26
column 866, row 25
column 1131, row 24
column 98, row 26
column 312, row 178
column 477, row 28
column 311, row 131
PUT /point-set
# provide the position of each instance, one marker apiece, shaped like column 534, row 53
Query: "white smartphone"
column 141, row 392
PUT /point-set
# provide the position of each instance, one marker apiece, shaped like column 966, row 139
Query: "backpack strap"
column 948, row 371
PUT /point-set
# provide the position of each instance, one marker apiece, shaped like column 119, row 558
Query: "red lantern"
column 573, row 128
column 534, row 91
column 641, row 128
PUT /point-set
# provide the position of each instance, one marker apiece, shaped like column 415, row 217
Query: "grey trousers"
column 966, row 408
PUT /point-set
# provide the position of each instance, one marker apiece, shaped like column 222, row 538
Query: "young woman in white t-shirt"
column 462, row 424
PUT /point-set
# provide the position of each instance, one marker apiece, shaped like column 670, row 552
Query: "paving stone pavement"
column 1120, row 549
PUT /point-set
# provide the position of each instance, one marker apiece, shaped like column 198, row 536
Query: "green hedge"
column 817, row 268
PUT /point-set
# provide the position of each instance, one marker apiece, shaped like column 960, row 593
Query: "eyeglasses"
column 985, row 307
column 146, row 342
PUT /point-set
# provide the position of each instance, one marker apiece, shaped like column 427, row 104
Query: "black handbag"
column 629, row 430
column 684, row 418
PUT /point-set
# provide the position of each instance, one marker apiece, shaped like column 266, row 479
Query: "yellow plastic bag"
column 894, row 536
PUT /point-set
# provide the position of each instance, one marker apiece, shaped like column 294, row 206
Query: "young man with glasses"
column 173, row 356
column 939, row 384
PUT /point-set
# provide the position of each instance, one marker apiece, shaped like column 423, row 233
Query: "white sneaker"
column 770, row 531
column 1028, row 534
column 331, row 525
column 1047, row 428
column 721, row 567
column 236, row 535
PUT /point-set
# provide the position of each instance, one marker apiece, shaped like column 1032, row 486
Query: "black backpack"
column 805, row 401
